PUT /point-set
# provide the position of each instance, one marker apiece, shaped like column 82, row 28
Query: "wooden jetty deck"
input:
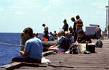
column 93, row 61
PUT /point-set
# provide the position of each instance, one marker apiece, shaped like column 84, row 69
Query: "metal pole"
column 107, row 19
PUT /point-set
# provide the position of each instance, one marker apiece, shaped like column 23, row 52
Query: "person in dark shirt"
column 55, row 34
column 98, row 32
column 74, row 25
column 45, row 32
column 82, row 37
column 65, row 26
column 62, row 44
column 74, row 28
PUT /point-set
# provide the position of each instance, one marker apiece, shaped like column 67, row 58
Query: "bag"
column 99, row 44
column 74, row 49
column 82, row 47
column 90, row 47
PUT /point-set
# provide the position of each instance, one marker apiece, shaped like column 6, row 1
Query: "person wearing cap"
column 33, row 48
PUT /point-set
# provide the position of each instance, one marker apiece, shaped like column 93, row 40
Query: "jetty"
column 94, row 61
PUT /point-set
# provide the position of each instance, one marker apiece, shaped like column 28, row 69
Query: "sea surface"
column 9, row 47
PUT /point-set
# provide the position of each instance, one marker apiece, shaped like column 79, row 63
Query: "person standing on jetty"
column 65, row 26
column 74, row 28
column 79, row 23
column 32, row 50
column 46, row 37
column 98, row 32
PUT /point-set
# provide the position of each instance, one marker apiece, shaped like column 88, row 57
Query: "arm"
column 24, row 53
column 26, row 50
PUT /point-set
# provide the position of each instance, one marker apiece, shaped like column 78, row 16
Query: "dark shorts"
column 26, row 59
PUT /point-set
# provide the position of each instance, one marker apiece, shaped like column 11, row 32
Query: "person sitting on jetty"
column 23, row 40
column 69, row 37
column 55, row 34
column 32, row 50
column 82, row 38
column 62, row 43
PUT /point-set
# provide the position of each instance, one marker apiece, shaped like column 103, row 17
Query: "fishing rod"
column 4, row 43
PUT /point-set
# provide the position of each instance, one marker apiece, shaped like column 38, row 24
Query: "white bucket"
column 82, row 47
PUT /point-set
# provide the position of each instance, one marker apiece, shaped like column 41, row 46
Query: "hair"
column 29, row 31
column 43, row 25
column 61, row 33
column 77, row 17
column 65, row 21
column 73, row 19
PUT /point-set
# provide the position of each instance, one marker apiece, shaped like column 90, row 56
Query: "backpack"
column 74, row 49
column 99, row 44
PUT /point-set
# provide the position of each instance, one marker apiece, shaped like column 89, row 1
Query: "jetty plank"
column 93, row 61
column 47, row 53
column 14, row 65
column 11, row 66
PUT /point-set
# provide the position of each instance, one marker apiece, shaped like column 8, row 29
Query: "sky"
column 15, row 15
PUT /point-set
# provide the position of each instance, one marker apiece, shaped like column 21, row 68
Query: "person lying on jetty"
column 33, row 48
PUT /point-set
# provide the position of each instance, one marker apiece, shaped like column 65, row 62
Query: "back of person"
column 74, row 33
column 99, row 44
column 65, row 26
column 64, row 43
column 46, row 32
column 34, row 48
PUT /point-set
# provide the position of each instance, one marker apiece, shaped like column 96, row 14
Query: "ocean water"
column 9, row 47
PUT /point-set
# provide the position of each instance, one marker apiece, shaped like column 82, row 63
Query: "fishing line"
column 4, row 43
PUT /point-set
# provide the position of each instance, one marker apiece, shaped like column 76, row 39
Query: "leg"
column 19, row 59
column 26, row 59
